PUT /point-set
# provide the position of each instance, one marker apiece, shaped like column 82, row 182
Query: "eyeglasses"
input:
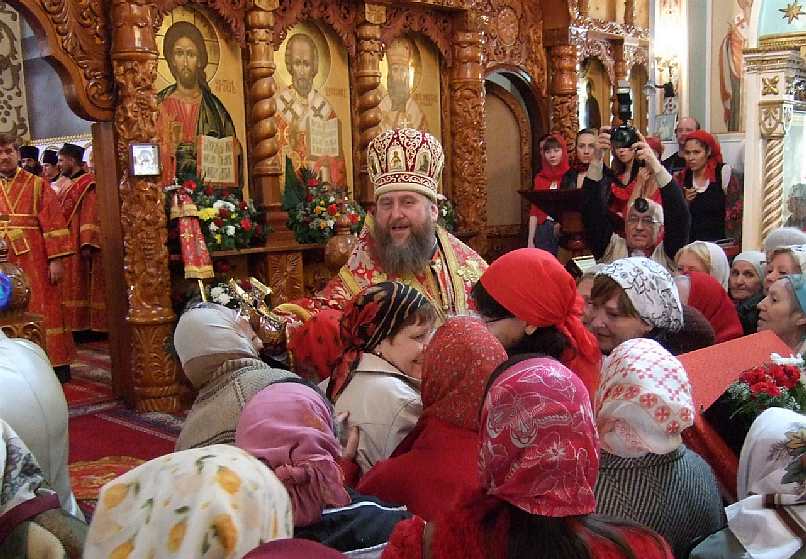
column 643, row 220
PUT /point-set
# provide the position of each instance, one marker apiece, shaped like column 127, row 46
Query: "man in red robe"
column 83, row 286
column 32, row 223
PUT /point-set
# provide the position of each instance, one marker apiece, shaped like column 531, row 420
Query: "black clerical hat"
column 74, row 151
column 50, row 156
column 29, row 151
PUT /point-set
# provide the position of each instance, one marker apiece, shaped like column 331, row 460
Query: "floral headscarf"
column 289, row 427
column 368, row 319
column 456, row 366
column 651, row 290
column 539, row 448
column 769, row 519
column 644, row 400
column 212, row 502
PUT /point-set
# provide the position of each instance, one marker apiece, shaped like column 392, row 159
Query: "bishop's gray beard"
column 413, row 256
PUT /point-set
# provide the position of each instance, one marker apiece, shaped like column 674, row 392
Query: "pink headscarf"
column 289, row 427
column 539, row 447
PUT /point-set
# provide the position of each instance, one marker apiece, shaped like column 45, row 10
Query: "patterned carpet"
column 106, row 438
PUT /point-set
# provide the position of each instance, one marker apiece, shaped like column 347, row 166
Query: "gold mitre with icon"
column 405, row 159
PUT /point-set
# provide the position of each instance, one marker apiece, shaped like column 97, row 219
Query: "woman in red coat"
column 437, row 461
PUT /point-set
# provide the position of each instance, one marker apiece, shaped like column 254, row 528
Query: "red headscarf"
column 539, row 447
column 549, row 174
column 315, row 346
column 708, row 296
column 456, row 366
column 715, row 158
column 532, row 285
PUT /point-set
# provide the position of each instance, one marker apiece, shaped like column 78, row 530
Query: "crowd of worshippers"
column 428, row 405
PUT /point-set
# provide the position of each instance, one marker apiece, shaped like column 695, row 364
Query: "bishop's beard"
column 413, row 256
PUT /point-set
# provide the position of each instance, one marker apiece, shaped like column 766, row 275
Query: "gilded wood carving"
column 437, row 26
column 339, row 14
column 367, row 79
column 260, row 71
column 286, row 277
column 233, row 12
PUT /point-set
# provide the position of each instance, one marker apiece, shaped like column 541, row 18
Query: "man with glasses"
column 676, row 161
column 644, row 232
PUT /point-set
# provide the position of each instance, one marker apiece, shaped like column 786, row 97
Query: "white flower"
column 213, row 227
column 218, row 204
column 224, row 299
column 331, row 223
column 332, row 199
column 216, row 292
column 229, row 230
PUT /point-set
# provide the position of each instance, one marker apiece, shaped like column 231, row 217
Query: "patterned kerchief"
column 539, row 448
column 644, row 400
column 651, row 291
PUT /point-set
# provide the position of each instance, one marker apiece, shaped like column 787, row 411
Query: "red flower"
column 792, row 375
column 246, row 224
column 353, row 218
column 208, row 190
column 313, row 183
column 767, row 388
column 755, row 376
column 332, row 209
column 309, row 198
column 189, row 184
column 224, row 212
column 218, row 222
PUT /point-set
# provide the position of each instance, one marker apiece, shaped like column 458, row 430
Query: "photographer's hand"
column 602, row 144
column 643, row 152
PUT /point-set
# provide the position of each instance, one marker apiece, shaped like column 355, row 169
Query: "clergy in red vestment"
column 83, row 285
column 402, row 241
column 32, row 223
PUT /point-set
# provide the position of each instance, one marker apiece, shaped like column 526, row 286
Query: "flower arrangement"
column 777, row 384
column 314, row 210
column 220, row 293
column 447, row 215
column 227, row 220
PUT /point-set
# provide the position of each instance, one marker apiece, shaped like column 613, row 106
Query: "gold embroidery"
column 470, row 272
column 56, row 233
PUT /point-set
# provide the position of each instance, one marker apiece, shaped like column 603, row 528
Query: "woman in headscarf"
column 538, row 466
column 384, row 331
column 553, row 175
column 705, row 180
column 542, row 315
column 220, row 355
column 769, row 518
column 783, row 261
column 783, row 311
column 746, row 287
column 703, row 292
column 634, row 298
column 436, row 462
column 709, row 258
column 289, row 426
column 632, row 179
column 213, row 502
column 32, row 524
column 646, row 473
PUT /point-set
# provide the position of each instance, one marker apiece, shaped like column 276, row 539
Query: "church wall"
column 728, row 24
column 696, row 87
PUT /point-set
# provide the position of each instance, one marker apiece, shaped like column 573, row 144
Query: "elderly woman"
column 783, row 261
column 634, row 298
column 538, row 466
column 384, row 330
column 709, row 258
column 32, row 524
column 746, row 287
column 213, row 502
column 646, row 473
column 542, row 315
column 782, row 311
column 436, row 462
column 220, row 355
column 289, row 426
column 768, row 519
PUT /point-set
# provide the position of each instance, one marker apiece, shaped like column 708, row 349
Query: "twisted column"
column 368, row 78
column 774, row 120
column 260, row 70
column 145, row 260
column 564, row 102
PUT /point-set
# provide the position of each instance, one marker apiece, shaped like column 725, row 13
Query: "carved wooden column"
column 145, row 261
column 564, row 102
column 468, row 149
column 774, row 120
column 368, row 78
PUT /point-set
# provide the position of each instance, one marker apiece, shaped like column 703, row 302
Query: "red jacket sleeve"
column 89, row 232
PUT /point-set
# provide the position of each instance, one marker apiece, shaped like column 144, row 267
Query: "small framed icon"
column 145, row 160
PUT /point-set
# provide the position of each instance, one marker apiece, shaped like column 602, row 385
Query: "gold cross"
column 792, row 11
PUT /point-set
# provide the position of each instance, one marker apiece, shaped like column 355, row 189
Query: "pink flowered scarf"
column 539, row 448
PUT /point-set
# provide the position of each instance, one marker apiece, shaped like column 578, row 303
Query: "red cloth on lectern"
column 195, row 257
column 711, row 371
column 37, row 234
column 83, row 287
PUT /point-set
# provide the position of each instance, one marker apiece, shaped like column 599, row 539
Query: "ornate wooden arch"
column 338, row 14
column 414, row 19
column 602, row 51
column 75, row 40
column 231, row 12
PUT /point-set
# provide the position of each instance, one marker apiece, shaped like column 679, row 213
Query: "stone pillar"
column 774, row 120
column 468, row 149
column 145, row 261
column 564, row 101
column 368, row 78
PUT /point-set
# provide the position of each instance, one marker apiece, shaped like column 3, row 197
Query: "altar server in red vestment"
column 83, row 286
column 32, row 223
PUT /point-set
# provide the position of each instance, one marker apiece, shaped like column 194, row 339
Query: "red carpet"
column 82, row 392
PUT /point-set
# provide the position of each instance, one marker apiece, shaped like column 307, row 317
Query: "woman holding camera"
column 705, row 180
column 631, row 179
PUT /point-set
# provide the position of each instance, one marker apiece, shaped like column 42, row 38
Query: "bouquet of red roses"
column 777, row 384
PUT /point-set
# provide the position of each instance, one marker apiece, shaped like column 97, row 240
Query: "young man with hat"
column 83, row 288
column 29, row 160
column 32, row 223
column 50, row 166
